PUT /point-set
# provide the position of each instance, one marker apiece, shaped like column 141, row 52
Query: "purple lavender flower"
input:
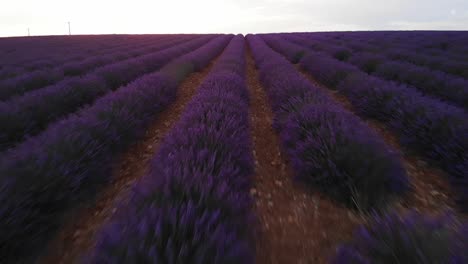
column 413, row 238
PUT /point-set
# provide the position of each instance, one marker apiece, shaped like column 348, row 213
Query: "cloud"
column 241, row 16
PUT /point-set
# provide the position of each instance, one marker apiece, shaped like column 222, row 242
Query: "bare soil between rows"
column 77, row 235
column 295, row 225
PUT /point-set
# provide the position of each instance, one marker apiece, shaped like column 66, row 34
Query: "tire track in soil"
column 295, row 225
column 431, row 192
column 77, row 234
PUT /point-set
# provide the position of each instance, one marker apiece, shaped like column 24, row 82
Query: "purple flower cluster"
column 194, row 204
column 32, row 112
column 293, row 52
column 22, row 55
column 330, row 78
column 29, row 81
column 435, row 129
column 459, row 68
column 43, row 77
column 48, row 175
column 423, row 51
column 414, row 238
column 448, row 45
column 449, row 87
column 83, row 66
column 367, row 61
column 445, row 86
column 330, row 149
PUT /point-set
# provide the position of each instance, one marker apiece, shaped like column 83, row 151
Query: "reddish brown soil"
column 431, row 191
column 77, row 235
column 295, row 225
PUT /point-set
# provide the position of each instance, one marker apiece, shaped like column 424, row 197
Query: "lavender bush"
column 433, row 62
column 430, row 82
column 194, row 204
column 366, row 61
column 329, row 148
column 435, row 83
column 80, row 67
column 34, row 53
column 414, row 238
column 23, row 83
column 31, row 113
column 293, row 52
column 433, row 128
column 50, row 174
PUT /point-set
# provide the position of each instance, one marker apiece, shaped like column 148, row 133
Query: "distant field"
column 340, row 147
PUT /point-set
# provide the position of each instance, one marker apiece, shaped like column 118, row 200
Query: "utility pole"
column 69, row 30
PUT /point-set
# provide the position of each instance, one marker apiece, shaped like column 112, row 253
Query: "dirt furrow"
column 431, row 190
column 295, row 225
column 78, row 232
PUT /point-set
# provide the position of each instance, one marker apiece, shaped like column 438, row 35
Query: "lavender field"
column 331, row 147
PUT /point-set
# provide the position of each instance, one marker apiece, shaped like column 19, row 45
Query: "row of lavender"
column 15, row 59
column 36, row 53
column 31, row 113
column 456, row 65
column 451, row 65
column 44, row 77
column 433, row 128
column 431, row 82
column 398, row 66
column 35, row 47
column 50, row 174
column 408, row 238
column 330, row 148
column 391, row 238
column 193, row 206
column 451, row 45
column 298, row 106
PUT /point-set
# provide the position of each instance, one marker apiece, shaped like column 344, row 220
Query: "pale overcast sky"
column 49, row 17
